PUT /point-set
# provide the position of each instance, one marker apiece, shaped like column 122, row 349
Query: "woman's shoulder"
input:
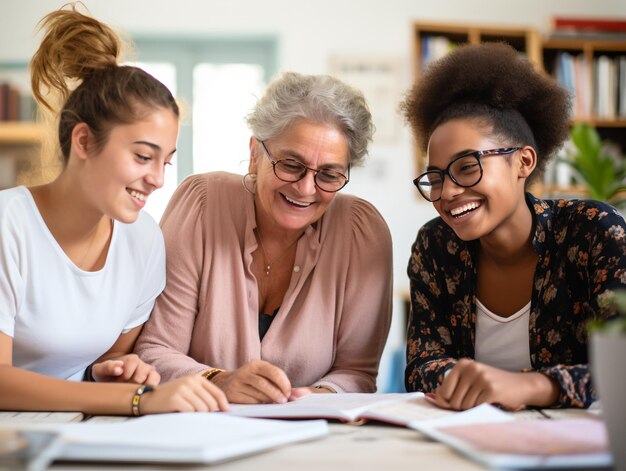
column 579, row 213
column 15, row 195
column 360, row 214
column 15, row 204
column 206, row 188
column 207, row 193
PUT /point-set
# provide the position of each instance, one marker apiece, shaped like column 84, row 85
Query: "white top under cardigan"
column 63, row 318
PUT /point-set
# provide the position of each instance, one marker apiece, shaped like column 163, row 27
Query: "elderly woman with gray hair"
column 278, row 286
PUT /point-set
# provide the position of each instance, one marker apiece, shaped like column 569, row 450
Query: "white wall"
column 309, row 32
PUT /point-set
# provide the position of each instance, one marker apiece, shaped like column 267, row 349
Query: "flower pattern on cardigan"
column 582, row 259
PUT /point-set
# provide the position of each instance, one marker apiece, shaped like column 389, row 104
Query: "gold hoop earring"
column 252, row 177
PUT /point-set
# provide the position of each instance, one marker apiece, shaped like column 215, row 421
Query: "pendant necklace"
column 268, row 263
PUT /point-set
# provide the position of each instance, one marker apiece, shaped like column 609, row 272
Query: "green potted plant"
column 598, row 165
column 607, row 353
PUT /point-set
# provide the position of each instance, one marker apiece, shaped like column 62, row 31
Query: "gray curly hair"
column 294, row 97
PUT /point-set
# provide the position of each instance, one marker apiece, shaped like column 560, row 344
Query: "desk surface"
column 347, row 447
column 370, row 446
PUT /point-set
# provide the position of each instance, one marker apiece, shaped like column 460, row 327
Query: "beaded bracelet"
column 137, row 398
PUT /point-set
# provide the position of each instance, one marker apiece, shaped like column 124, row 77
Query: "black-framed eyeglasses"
column 465, row 171
column 291, row 170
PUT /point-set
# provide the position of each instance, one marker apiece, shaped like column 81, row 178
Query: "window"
column 216, row 83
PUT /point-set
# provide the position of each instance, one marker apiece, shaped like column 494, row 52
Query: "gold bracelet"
column 208, row 374
column 134, row 406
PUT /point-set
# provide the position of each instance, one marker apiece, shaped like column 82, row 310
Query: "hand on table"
column 257, row 382
column 126, row 369
column 471, row 383
column 191, row 393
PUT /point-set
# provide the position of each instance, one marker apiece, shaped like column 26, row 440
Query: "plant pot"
column 608, row 352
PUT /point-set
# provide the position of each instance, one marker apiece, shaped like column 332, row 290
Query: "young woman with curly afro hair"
column 503, row 284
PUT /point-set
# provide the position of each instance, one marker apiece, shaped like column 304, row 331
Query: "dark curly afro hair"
column 500, row 89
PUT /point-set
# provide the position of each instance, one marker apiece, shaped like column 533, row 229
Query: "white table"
column 365, row 447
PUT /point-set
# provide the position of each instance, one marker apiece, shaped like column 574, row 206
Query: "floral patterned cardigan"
column 582, row 259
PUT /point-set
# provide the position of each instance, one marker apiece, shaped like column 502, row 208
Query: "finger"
column 449, row 383
column 266, row 391
column 456, row 386
column 297, row 393
column 195, row 397
column 471, row 398
column 131, row 364
column 142, row 371
column 107, row 368
column 244, row 396
column 182, row 404
column 459, row 394
column 218, row 395
column 153, row 379
column 275, row 376
column 439, row 401
column 206, row 395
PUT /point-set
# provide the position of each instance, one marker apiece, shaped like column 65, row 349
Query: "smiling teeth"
column 464, row 208
column 139, row 196
column 298, row 203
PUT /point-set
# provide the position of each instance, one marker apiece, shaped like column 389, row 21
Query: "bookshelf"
column 525, row 40
column 20, row 144
column 20, row 137
column 588, row 86
column 433, row 40
column 15, row 133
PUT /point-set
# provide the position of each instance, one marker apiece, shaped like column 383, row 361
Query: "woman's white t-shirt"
column 60, row 317
column 502, row 342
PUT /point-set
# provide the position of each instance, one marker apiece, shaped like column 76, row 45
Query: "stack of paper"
column 177, row 438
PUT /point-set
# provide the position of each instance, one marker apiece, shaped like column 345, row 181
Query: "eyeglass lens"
column 465, row 171
column 290, row 170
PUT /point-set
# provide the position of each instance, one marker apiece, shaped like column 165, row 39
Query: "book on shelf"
column 604, row 96
column 590, row 24
column 434, row 48
column 184, row 438
column 507, row 443
column 601, row 29
column 621, row 89
column 14, row 104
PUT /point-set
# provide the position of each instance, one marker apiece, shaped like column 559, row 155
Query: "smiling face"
column 121, row 176
column 497, row 201
column 294, row 206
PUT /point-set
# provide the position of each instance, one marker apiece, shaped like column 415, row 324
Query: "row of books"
column 598, row 87
column 14, row 104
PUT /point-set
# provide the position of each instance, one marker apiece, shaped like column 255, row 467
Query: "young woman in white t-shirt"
column 80, row 263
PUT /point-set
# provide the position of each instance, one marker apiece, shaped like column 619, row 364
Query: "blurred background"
column 217, row 56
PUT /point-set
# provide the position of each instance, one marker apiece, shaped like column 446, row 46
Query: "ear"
column 527, row 162
column 252, row 165
column 81, row 136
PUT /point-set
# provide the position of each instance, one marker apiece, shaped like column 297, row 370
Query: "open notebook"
column 398, row 409
column 203, row 438
column 505, row 443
